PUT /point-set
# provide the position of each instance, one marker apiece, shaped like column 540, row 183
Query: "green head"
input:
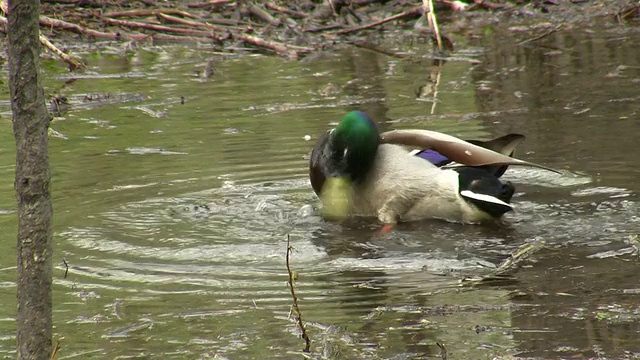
column 354, row 144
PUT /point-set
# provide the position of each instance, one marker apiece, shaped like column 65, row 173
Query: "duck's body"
column 402, row 187
column 381, row 177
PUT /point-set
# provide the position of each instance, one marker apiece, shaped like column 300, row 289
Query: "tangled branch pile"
column 288, row 28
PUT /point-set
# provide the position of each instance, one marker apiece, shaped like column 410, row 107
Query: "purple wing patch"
column 433, row 157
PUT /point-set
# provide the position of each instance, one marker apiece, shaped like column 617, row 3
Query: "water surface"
column 174, row 195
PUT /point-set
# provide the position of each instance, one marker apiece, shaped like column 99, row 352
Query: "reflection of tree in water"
column 576, row 314
column 574, row 91
column 562, row 90
column 368, row 84
column 406, row 311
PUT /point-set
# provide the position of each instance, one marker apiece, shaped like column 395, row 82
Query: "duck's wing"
column 505, row 145
column 458, row 150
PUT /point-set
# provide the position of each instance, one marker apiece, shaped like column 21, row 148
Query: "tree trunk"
column 33, row 176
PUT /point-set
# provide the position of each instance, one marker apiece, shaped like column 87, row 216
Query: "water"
column 173, row 217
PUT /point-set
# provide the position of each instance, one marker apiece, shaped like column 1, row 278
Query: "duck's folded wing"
column 453, row 148
column 505, row 145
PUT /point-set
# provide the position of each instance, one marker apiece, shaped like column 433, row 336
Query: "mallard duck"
column 357, row 171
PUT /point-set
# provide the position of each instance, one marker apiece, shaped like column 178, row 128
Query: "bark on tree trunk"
column 33, row 176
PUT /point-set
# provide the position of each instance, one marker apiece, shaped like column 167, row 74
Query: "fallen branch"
column 489, row 6
column 209, row 3
column 378, row 49
column 410, row 12
column 176, row 38
column 226, row 22
column 177, row 20
column 292, row 13
column 307, row 341
column 289, row 51
column 145, row 12
column 61, row 24
column 323, row 28
column 262, row 14
column 74, row 64
column 154, row 27
column 629, row 11
column 85, row 3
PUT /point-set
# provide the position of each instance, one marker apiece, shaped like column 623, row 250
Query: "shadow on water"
column 173, row 216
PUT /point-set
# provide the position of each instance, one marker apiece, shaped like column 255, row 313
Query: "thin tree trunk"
column 33, row 176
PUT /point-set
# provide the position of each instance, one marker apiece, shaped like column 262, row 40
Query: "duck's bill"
column 453, row 148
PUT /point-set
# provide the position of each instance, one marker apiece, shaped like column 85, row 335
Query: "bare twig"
column 443, row 351
column 429, row 11
column 437, row 69
column 55, row 351
column 66, row 270
column 307, row 341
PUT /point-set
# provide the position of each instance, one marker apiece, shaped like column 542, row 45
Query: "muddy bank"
column 296, row 29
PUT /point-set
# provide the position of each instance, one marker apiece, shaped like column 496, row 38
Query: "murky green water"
column 173, row 216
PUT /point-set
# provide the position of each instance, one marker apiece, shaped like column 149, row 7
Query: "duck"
column 413, row 174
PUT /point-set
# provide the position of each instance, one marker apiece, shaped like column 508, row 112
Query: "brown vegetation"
column 291, row 29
